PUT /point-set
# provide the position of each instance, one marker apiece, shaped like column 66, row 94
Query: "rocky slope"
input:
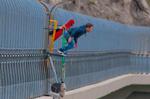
column 136, row 12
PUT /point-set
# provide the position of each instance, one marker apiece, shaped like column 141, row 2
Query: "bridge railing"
column 24, row 73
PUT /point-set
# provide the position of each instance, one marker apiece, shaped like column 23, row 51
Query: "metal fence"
column 22, row 24
column 24, row 74
column 107, row 35
column 85, row 69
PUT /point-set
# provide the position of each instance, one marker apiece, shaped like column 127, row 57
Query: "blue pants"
column 69, row 45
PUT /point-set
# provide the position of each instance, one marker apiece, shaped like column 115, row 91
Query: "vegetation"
column 92, row 1
column 148, row 2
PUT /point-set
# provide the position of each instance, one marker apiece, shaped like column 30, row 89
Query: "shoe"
column 61, row 53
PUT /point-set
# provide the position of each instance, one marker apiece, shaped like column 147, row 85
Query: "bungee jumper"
column 72, row 36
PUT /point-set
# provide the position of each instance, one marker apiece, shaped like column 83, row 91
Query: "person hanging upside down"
column 72, row 36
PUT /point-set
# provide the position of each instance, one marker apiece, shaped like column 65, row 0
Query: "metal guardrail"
column 24, row 73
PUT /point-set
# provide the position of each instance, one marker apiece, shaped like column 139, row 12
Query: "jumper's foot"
column 61, row 53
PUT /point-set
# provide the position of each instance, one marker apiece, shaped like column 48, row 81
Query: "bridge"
column 112, row 57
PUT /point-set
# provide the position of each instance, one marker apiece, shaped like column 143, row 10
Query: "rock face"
column 136, row 12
